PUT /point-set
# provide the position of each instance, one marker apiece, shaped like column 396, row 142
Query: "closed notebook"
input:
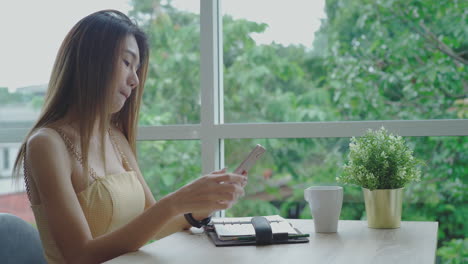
column 231, row 228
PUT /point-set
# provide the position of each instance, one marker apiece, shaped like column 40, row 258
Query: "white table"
column 413, row 242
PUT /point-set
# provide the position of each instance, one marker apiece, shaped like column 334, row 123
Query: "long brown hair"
column 82, row 81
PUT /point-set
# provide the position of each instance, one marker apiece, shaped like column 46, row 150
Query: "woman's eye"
column 126, row 63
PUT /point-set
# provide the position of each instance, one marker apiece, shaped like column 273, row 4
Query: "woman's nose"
column 133, row 80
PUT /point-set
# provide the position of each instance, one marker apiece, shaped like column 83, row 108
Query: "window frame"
column 212, row 130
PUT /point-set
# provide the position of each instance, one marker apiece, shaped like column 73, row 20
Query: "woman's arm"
column 68, row 225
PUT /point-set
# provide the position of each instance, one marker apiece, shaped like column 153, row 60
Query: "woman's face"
column 126, row 78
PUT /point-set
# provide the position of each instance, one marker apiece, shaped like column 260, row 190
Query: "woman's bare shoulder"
column 47, row 159
column 45, row 142
column 44, row 137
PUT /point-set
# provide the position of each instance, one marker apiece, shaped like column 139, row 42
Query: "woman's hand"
column 216, row 191
column 199, row 215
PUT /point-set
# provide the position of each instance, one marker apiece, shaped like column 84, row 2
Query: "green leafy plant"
column 454, row 251
column 380, row 160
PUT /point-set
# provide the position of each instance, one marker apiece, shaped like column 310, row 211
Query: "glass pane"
column 13, row 198
column 327, row 60
column 277, row 181
column 20, row 108
column 172, row 90
column 29, row 53
column 169, row 165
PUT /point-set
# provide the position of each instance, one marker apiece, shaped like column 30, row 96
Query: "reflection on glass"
column 169, row 165
column 339, row 61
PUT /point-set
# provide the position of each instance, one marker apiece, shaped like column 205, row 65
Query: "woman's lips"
column 125, row 95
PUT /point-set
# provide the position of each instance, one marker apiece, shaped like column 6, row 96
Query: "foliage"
column 172, row 91
column 405, row 57
column 169, row 165
column 454, row 251
column 380, row 160
column 10, row 98
column 252, row 207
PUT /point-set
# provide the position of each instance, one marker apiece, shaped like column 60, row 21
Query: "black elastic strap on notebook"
column 263, row 233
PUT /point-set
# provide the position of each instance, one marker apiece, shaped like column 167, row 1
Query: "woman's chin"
column 117, row 107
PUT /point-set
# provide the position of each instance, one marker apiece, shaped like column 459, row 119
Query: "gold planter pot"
column 383, row 207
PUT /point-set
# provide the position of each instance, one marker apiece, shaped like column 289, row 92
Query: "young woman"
column 87, row 193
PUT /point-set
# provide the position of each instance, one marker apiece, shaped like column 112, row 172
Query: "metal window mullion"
column 211, row 147
column 220, row 67
column 169, row 132
column 406, row 128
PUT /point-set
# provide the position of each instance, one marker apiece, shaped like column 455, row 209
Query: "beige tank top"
column 108, row 203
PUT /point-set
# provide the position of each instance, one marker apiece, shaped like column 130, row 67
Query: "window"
column 294, row 62
column 6, row 159
column 168, row 165
column 394, row 64
column 172, row 93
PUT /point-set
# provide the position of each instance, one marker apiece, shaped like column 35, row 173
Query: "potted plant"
column 382, row 164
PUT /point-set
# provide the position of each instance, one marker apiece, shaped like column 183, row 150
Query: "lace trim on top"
column 72, row 149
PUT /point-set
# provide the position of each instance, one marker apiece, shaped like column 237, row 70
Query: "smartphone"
column 250, row 160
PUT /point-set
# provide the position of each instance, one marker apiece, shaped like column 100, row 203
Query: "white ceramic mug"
column 325, row 204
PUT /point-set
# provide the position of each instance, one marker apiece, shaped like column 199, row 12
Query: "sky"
column 32, row 31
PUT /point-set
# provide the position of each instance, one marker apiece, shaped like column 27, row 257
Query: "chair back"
column 19, row 241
